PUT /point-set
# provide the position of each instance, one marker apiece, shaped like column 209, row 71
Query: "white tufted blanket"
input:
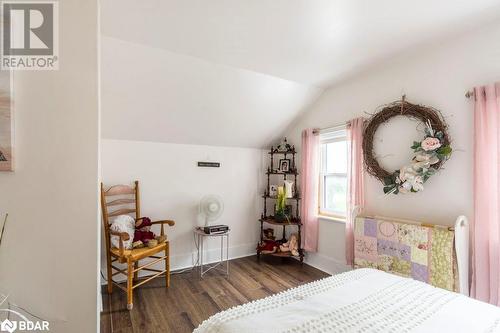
column 363, row 300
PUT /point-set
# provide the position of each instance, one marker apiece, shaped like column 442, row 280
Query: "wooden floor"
column 190, row 300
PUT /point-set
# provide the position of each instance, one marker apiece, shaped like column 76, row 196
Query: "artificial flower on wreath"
column 428, row 153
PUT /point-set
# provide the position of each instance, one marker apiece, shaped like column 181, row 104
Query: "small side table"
column 200, row 236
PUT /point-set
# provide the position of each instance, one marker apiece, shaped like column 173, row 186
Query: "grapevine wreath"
column 429, row 154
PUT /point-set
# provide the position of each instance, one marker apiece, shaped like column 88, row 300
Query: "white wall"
column 171, row 186
column 48, row 255
column 437, row 75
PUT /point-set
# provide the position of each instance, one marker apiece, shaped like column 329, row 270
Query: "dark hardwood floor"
column 190, row 300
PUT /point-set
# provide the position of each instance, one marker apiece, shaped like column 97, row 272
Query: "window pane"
column 336, row 157
column 335, row 194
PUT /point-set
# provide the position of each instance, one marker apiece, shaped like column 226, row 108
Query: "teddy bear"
column 292, row 245
column 144, row 236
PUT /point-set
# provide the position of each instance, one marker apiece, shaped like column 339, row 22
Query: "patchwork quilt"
column 422, row 253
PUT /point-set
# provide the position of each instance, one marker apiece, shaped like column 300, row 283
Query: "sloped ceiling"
column 237, row 72
column 155, row 95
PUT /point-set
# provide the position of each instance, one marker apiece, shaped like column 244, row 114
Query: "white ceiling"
column 237, row 72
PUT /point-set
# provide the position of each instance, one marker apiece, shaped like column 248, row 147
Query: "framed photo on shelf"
column 284, row 165
column 273, row 190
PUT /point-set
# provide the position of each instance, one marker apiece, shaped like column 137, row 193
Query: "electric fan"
column 211, row 208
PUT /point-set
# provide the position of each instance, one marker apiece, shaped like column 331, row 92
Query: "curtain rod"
column 318, row 130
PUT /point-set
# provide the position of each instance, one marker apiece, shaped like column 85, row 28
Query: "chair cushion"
column 137, row 254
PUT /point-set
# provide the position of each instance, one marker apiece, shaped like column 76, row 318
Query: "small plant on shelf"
column 281, row 208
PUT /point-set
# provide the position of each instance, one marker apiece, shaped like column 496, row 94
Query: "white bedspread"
column 363, row 300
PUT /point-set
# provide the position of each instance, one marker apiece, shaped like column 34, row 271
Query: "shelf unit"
column 294, row 220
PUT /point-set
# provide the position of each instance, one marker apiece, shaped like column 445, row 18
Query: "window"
column 333, row 172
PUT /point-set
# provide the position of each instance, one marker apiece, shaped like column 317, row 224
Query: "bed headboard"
column 430, row 253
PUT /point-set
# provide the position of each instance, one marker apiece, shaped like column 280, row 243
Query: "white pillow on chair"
column 123, row 223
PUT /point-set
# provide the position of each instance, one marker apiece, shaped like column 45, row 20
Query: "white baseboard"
column 187, row 260
column 326, row 264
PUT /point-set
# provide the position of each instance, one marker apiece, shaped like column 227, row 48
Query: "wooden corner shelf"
column 286, row 254
column 283, row 152
column 295, row 221
column 273, row 221
column 267, row 196
column 282, row 254
column 277, row 172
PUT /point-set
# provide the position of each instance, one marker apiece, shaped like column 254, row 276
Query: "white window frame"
column 334, row 134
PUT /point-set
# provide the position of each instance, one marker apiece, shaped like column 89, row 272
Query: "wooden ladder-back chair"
column 121, row 199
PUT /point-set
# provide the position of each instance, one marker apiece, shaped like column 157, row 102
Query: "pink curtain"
column 486, row 227
column 309, row 184
column 355, row 182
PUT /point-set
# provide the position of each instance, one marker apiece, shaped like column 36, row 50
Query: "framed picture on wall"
column 6, row 122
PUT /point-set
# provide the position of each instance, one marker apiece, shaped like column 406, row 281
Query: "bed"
column 361, row 300
column 409, row 277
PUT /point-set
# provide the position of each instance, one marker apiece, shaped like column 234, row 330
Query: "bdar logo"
column 8, row 326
